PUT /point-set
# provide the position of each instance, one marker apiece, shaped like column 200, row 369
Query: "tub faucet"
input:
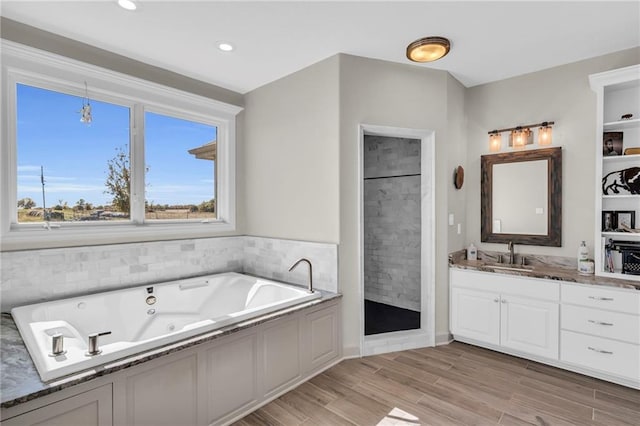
column 93, row 349
column 57, row 345
column 310, row 271
column 511, row 255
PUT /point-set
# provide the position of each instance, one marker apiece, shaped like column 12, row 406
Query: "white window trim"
column 28, row 65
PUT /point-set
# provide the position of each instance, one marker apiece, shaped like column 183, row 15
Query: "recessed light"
column 127, row 4
column 225, row 46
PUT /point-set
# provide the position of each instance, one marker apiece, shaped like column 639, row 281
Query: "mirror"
column 521, row 197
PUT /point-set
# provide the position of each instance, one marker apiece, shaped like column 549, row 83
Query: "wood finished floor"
column 456, row 384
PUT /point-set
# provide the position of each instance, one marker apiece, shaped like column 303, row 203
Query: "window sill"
column 74, row 235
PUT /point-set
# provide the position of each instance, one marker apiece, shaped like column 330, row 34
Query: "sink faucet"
column 511, row 255
column 310, row 271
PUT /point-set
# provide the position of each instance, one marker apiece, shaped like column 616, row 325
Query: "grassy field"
column 35, row 215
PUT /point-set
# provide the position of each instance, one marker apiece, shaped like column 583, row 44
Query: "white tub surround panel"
column 33, row 276
column 214, row 382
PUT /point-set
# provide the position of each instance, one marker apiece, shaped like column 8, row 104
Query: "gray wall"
column 559, row 94
column 392, row 221
column 291, row 156
column 396, row 95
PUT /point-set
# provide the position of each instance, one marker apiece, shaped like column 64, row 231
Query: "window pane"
column 180, row 159
column 68, row 169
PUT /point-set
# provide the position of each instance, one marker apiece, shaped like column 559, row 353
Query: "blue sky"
column 75, row 155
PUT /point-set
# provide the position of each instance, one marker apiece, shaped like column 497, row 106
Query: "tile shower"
column 392, row 233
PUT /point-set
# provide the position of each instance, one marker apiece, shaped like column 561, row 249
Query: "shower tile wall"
column 392, row 217
column 33, row 276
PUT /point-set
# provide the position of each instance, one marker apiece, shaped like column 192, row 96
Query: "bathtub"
column 146, row 317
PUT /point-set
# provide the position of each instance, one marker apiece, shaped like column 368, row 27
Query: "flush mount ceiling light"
column 225, row 46
column 127, row 4
column 428, row 49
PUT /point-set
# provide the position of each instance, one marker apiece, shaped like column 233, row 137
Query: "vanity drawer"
column 602, row 323
column 601, row 298
column 610, row 356
column 535, row 288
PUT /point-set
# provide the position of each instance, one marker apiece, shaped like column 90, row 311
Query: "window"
column 180, row 158
column 63, row 164
column 152, row 162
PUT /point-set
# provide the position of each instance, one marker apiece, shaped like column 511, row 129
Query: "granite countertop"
column 20, row 381
column 547, row 272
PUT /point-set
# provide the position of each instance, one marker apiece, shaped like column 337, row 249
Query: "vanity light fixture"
column 428, row 49
column 127, row 4
column 544, row 134
column 520, row 136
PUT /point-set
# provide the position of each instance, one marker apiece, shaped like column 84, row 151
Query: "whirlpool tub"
column 138, row 319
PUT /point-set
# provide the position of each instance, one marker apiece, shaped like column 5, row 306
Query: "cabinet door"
column 321, row 344
column 475, row 315
column 530, row 326
column 92, row 408
column 281, row 357
column 163, row 394
column 232, row 371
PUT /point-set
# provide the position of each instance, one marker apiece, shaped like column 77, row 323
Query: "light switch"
column 451, row 219
column 459, row 228
column 539, row 210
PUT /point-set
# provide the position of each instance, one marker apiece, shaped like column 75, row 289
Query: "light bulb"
column 495, row 142
column 544, row 135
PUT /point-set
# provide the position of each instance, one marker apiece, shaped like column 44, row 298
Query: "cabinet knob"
column 504, row 300
column 608, row 299
column 496, row 300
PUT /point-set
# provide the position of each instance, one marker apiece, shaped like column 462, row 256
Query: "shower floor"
column 382, row 318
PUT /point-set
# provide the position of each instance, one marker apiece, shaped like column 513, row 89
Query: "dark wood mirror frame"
column 554, row 203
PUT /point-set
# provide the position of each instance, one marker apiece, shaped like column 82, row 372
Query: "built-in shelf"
column 622, row 158
column 621, row 124
column 617, row 93
column 620, row 196
column 630, row 236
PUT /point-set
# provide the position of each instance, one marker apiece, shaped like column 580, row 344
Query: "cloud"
column 28, row 168
column 62, row 188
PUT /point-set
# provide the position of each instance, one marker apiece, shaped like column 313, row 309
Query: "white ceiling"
column 490, row 40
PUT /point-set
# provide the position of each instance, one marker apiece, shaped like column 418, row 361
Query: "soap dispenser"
column 583, row 253
column 472, row 252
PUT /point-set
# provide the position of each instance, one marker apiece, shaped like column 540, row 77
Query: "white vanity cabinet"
column 600, row 331
column 505, row 312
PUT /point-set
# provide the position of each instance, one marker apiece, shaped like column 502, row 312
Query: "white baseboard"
column 443, row 339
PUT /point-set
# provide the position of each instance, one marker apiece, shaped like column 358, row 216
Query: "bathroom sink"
column 510, row 268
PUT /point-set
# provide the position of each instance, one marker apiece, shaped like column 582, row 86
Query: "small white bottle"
column 472, row 252
column 583, row 253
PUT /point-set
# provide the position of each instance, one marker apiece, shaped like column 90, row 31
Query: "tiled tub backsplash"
column 33, row 276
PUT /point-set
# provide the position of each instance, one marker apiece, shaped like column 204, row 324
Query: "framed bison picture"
column 622, row 182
